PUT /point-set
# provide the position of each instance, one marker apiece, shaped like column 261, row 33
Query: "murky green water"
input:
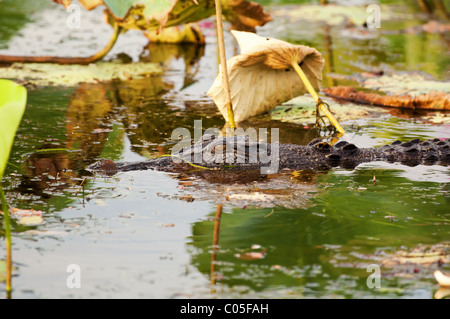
column 150, row 234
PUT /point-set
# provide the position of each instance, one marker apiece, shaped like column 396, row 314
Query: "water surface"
column 149, row 234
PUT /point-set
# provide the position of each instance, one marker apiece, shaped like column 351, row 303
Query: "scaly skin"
column 236, row 153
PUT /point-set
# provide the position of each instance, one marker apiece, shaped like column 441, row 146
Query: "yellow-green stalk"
column 316, row 98
column 223, row 62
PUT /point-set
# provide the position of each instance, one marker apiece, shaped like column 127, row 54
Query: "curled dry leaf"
column 65, row 3
column 442, row 279
column 433, row 100
column 28, row 216
column 87, row 4
column 441, row 293
column 153, row 15
column 187, row 33
column 252, row 255
column 261, row 77
column 245, row 15
column 90, row 4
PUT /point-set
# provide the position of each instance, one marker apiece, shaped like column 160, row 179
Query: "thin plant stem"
column 65, row 60
column 316, row 98
column 7, row 222
column 223, row 62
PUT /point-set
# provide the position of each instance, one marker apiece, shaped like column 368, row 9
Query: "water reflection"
column 96, row 118
column 215, row 246
column 166, row 54
column 324, row 249
column 319, row 229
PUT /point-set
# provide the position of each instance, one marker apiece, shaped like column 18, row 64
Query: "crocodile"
column 241, row 153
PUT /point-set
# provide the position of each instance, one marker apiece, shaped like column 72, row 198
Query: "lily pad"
column 70, row 75
column 302, row 110
column 336, row 14
column 400, row 84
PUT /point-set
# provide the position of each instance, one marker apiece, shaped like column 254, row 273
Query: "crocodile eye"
column 323, row 147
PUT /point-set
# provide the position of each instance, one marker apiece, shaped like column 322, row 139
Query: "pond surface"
column 150, row 234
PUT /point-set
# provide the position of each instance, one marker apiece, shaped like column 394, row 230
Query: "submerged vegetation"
column 295, row 234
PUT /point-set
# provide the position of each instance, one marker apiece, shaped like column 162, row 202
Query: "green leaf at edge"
column 13, row 98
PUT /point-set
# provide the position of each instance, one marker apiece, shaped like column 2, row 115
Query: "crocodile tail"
column 415, row 152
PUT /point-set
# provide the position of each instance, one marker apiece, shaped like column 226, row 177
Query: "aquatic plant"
column 12, row 106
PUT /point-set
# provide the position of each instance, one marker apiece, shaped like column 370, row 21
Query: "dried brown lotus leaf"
column 261, row 76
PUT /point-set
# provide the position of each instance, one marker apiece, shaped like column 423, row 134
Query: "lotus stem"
column 66, row 60
column 316, row 97
column 6, row 220
column 223, row 62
